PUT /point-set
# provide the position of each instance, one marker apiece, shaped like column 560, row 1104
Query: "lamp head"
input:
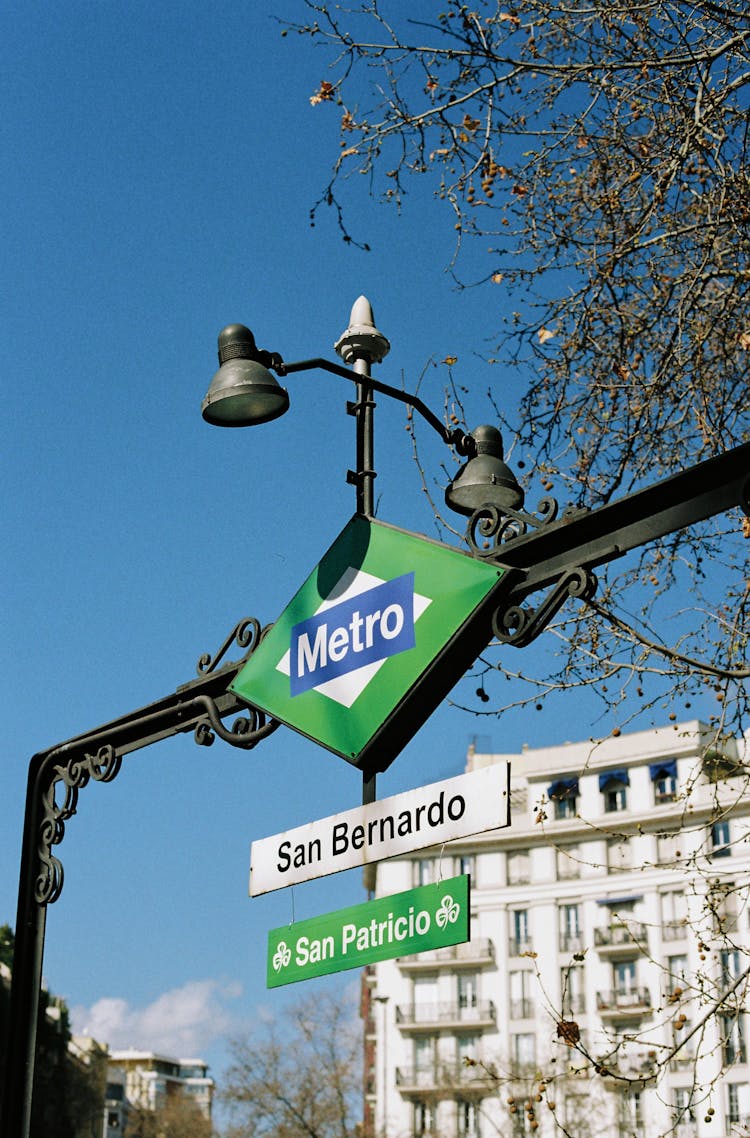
column 485, row 480
column 243, row 392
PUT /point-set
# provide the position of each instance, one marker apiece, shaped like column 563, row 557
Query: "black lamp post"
column 244, row 393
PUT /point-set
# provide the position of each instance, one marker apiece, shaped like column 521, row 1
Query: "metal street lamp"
column 244, row 393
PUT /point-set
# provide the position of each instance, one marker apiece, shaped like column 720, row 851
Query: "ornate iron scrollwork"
column 246, row 732
column 254, row 726
column 518, row 626
column 72, row 775
column 67, row 769
column 490, row 529
column 246, row 634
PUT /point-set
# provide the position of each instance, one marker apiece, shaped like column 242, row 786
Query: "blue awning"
column 667, row 768
column 620, row 775
column 563, row 788
column 620, row 900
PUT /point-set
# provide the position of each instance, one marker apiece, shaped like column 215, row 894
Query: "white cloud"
column 181, row 1023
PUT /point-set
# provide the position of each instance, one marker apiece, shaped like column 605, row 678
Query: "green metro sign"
column 378, row 634
column 429, row 917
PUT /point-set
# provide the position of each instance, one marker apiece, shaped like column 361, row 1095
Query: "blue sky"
column 160, row 161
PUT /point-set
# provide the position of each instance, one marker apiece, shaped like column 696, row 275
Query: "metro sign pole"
column 524, row 554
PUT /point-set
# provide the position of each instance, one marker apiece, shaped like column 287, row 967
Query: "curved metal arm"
column 455, row 437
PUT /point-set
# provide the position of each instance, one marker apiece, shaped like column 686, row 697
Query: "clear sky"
column 159, row 163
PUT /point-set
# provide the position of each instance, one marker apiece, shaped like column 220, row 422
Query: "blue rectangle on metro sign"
column 363, row 629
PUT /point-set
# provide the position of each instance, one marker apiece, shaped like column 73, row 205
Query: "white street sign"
column 456, row 808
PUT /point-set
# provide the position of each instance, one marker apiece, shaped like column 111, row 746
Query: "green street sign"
column 429, row 917
column 376, row 637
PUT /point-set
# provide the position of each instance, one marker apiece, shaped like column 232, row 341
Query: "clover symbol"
column 282, row 956
column 448, row 911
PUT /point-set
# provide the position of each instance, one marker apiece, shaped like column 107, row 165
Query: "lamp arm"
column 455, row 437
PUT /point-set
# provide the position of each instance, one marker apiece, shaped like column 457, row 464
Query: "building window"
column 664, row 780
column 668, row 848
column 467, row 990
column 674, row 914
column 731, row 966
column 733, row 1102
column 572, row 990
column 568, row 862
column 563, row 794
column 722, row 899
column 683, row 1108
column 623, row 977
column 520, row 1121
column 720, row 846
column 570, row 928
column 733, row 1039
column 619, row 855
column 467, row 1047
column 677, row 967
column 466, row 864
column 519, row 868
column 519, row 932
column 468, row 1119
column 631, row 1113
column 424, row 1118
column 424, row 871
column 523, row 1050
column 520, row 994
column 614, row 787
column 424, row 1056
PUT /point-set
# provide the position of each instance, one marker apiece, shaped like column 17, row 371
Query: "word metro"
column 370, row 626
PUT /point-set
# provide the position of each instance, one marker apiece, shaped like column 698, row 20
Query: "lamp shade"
column 485, row 480
column 243, row 392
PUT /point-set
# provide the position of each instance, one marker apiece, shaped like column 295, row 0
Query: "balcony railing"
column 519, row 945
column 631, row 1002
column 522, row 1008
column 612, row 939
column 682, row 1060
column 674, row 930
column 446, row 1077
column 475, row 954
column 573, row 1004
column 571, row 942
column 415, row 1016
column 637, row 1068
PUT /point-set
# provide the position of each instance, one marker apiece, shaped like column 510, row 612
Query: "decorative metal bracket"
column 102, row 766
column 247, row 633
column 491, row 532
column 518, row 626
column 251, row 729
column 246, row 733
column 63, row 771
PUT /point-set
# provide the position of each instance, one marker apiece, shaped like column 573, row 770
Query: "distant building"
column 115, row 1104
column 150, row 1079
column 613, row 910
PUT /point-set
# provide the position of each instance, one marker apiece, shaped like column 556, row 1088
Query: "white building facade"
column 150, row 1080
column 602, row 992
